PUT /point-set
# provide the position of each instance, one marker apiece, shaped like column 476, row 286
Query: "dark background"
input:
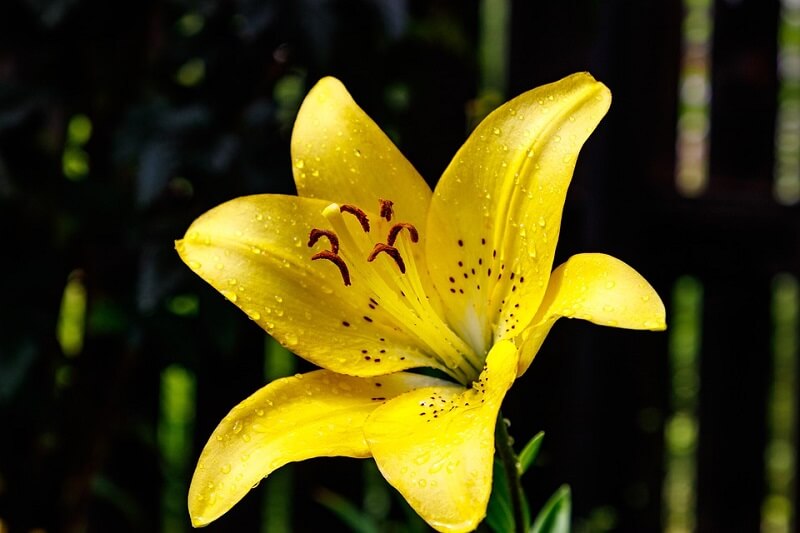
column 192, row 103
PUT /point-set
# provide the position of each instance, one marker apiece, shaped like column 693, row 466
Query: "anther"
column 316, row 234
column 391, row 251
column 358, row 213
column 395, row 230
column 386, row 209
column 336, row 260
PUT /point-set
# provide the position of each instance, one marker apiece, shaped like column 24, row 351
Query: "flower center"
column 395, row 283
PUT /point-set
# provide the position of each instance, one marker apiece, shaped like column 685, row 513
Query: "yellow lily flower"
column 367, row 273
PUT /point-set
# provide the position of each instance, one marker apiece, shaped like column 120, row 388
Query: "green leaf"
column 356, row 519
column 499, row 513
column 555, row 515
column 530, row 452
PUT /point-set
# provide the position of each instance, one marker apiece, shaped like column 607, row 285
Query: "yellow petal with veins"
column 598, row 288
column 312, row 415
column 339, row 154
column 254, row 251
column 496, row 213
column 436, row 445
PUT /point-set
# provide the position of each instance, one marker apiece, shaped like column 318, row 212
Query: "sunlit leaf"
column 530, row 452
column 554, row 517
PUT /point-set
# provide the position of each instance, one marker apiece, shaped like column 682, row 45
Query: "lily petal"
column 339, row 154
column 496, row 213
column 291, row 419
column 436, row 445
column 598, row 288
column 254, row 251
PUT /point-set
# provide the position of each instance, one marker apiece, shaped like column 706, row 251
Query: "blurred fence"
column 122, row 121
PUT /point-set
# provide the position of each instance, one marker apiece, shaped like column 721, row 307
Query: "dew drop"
column 230, row 295
column 422, row 483
column 299, row 163
column 194, row 265
column 542, row 222
column 496, row 131
column 610, row 284
column 423, row 458
column 237, row 426
column 225, row 469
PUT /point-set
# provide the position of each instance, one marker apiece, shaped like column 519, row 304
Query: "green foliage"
column 500, row 513
column 555, row 516
column 530, row 452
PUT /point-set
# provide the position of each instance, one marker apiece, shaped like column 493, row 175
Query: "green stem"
column 505, row 450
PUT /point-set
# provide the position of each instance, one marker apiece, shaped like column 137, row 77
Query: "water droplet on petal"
column 299, row 163
column 225, row 469
column 496, row 131
column 610, row 284
column 237, row 426
column 230, row 295
column 423, row 458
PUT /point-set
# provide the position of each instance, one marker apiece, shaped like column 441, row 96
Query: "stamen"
column 391, row 251
column 316, row 234
column 336, row 260
column 358, row 213
column 395, row 230
column 386, row 209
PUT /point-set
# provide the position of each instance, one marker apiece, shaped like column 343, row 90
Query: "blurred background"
column 120, row 122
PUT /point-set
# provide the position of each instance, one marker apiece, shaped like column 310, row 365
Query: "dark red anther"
column 316, row 234
column 336, row 260
column 391, row 251
column 358, row 213
column 395, row 230
column 386, row 209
